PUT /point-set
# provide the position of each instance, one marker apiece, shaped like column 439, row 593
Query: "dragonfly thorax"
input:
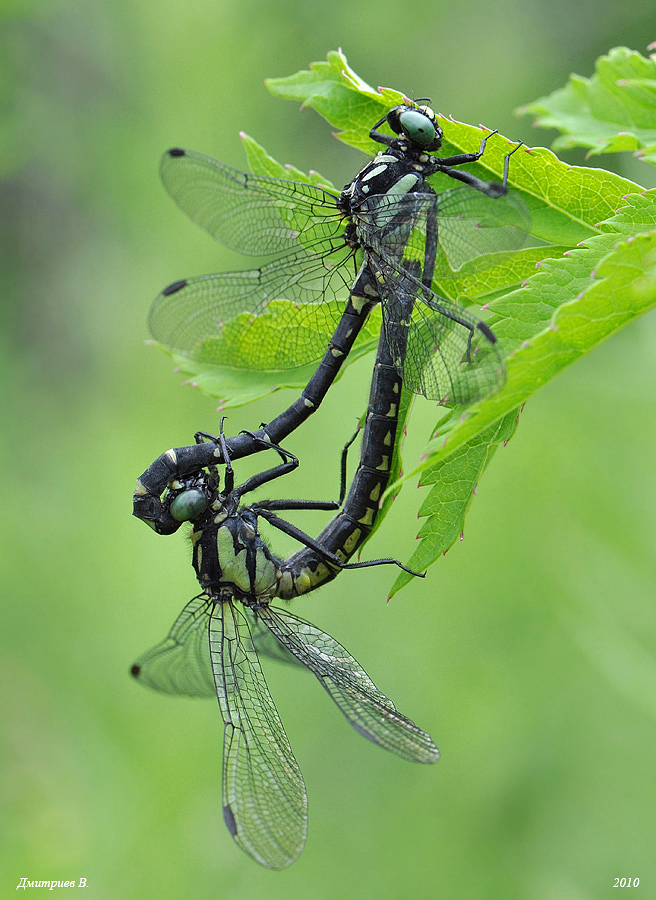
column 229, row 554
column 393, row 172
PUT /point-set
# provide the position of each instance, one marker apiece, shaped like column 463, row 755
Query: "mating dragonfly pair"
column 397, row 236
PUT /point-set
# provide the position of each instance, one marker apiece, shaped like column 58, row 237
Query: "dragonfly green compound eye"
column 187, row 505
column 417, row 126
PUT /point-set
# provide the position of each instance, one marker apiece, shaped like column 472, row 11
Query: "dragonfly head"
column 418, row 124
column 188, row 498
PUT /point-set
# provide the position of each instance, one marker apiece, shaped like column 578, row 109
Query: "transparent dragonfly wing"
column 276, row 317
column 368, row 710
column 264, row 796
column 253, row 214
column 210, row 652
column 282, row 315
column 439, row 348
column 265, row 643
column 472, row 226
column 180, row 664
column 467, row 226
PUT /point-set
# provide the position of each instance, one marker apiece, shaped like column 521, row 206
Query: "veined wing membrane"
column 180, row 664
column 264, row 641
column 264, row 797
column 218, row 317
column 440, row 349
column 282, row 315
column 469, row 225
column 253, row 214
column 370, row 712
column 473, row 226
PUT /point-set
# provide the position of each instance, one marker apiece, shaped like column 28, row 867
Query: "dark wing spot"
column 135, row 670
column 229, row 819
column 173, row 288
column 487, row 331
column 176, row 151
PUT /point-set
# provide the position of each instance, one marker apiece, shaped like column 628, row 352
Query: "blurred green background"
column 528, row 652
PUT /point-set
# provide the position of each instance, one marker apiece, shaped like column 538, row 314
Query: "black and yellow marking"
column 343, row 536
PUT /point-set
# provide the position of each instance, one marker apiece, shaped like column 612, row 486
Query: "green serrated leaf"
column 613, row 111
column 262, row 164
column 565, row 202
column 237, row 386
column 454, row 483
column 577, row 296
column 560, row 315
column 340, row 96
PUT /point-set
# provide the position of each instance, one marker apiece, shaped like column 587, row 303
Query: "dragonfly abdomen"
column 307, row 569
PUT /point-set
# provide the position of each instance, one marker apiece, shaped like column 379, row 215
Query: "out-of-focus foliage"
column 528, row 652
column 611, row 112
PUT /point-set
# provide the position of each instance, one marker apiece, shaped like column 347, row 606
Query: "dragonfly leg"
column 327, row 555
column 490, row 188
column 287, row 505
column 342, row 482
column 430, row 248
column 289, row 463
column 284, row 505
column 387, row 561
column 463, row 158
column 298, row 535
column 506, row 162
column 379, row 137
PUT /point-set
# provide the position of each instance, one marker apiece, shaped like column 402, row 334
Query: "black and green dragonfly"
column 213, row 648
column 388, row 219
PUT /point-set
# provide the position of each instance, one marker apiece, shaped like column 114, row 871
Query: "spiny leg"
column 328, row 555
